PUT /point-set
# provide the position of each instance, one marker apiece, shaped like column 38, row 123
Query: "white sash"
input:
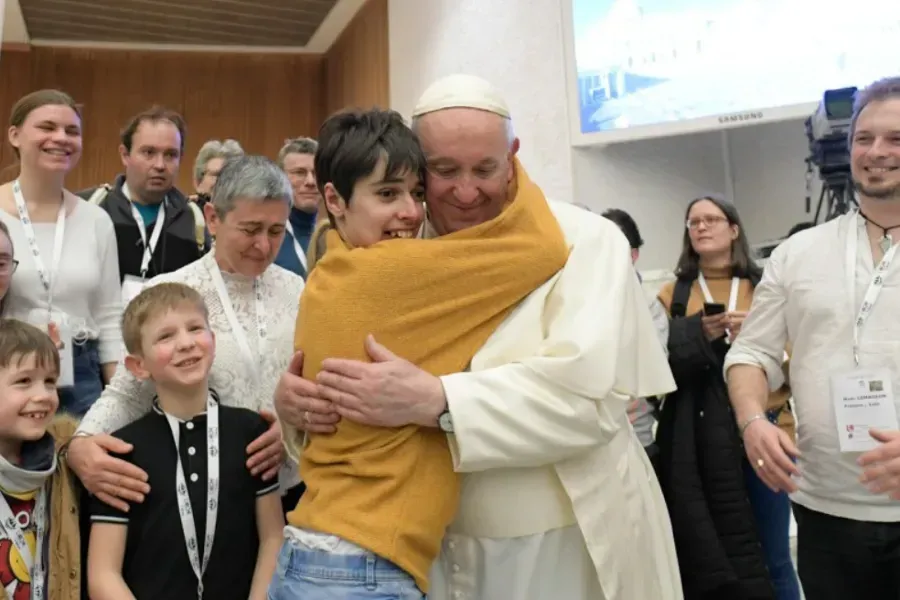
column 298, row 249
column 254, row 361
column 15, row 531
column 875, row 286
column 212, row 493
column 48, row 278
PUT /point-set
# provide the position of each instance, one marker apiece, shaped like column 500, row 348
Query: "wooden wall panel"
column 356, row 66
column 257, row 99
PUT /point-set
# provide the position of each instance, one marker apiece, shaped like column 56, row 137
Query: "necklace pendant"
column 886, row 242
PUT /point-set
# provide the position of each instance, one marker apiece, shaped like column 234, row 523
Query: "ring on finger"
column 306, row 416
column 760, row 463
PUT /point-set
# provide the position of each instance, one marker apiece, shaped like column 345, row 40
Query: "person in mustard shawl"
column 378, row 500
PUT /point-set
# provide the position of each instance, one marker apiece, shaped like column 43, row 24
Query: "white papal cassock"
column 559, row 501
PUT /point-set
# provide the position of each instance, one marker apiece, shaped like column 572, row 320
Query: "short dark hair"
column 19, row 341
column 352, row 142
column 878, row 91
column 154, row 114
column 742, row 264
column 627, row 225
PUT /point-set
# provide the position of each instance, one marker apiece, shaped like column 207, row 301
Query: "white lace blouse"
column 126, row 398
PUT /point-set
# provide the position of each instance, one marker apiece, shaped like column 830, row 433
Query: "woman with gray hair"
column 208, row 164
column 249, row 300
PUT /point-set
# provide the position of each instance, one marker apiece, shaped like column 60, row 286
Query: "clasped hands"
column 387, row 392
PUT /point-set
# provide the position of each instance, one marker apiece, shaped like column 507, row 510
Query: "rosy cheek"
column 163, row 353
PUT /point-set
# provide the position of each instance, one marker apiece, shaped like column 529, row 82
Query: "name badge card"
column 66, row 358
column 863, row 400
column 131, row 287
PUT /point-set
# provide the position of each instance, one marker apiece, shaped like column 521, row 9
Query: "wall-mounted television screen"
column 650, row 68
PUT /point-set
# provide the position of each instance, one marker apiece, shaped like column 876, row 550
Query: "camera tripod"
column 836, row 196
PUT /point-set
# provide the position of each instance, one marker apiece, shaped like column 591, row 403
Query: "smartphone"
column 710, row 309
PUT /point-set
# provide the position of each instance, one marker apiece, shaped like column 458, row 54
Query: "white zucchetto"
column 461, row 91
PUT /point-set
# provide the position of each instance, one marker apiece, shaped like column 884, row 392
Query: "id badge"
column 131, row 287
column 863, row 400
column 66, row 357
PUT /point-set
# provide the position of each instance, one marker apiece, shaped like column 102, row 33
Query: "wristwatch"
column 445, row 421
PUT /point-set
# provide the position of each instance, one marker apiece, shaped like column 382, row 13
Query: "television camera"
column 829, row 153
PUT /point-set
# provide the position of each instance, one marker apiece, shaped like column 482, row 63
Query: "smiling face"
column 302, row 174
column 49, row 138
column 177, row 348
column 875, row 150
column 381, row 207
column 28, row 399
column 470, row 165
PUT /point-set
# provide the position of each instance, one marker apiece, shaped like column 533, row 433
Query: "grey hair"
column 215, row 149
column 249, row 177
column 300, row 145
column 507, row 123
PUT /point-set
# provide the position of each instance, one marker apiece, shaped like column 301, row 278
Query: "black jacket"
column 702, row 475
column 178, row 243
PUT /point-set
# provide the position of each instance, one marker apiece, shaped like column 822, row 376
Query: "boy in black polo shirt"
column 208, row 529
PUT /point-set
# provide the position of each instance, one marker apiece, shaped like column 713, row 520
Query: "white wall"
column 517, row 44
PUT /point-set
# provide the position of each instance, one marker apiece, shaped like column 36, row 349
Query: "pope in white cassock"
column 559, row 501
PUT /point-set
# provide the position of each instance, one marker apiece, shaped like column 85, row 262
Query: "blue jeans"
column 76, row 400
column 772, row 513
column 317, row 575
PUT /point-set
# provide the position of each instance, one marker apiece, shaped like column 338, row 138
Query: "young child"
column 208, row 529
column 39, row 537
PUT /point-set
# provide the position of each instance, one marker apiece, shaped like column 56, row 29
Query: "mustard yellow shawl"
column 434, row 302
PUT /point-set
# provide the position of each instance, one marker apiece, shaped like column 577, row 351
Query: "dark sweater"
column 177, row 244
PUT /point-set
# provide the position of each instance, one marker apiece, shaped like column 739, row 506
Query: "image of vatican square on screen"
column 644, row 62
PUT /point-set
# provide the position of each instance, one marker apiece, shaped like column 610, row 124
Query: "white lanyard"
column 150, row 247
column 875, row 286
column 212, row 493
column 254, row 361
column 297, row 247
column 732, row 298
column 48, row 278
column 14, row 531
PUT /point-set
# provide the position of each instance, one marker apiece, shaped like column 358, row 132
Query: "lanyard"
column 149, row 248
column 875, row 286
column 297, row 248
column 14, row 530
column 212, row 493
column 47, row 277
column 254, row 361
column 732, row 297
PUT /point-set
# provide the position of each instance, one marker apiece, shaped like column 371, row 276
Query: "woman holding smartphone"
column 731, row 530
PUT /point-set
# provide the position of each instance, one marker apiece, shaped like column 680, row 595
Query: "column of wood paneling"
column 356, row 66
column 257, row 99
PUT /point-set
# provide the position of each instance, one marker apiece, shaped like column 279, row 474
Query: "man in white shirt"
column 823, row 293
column 558, row 497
